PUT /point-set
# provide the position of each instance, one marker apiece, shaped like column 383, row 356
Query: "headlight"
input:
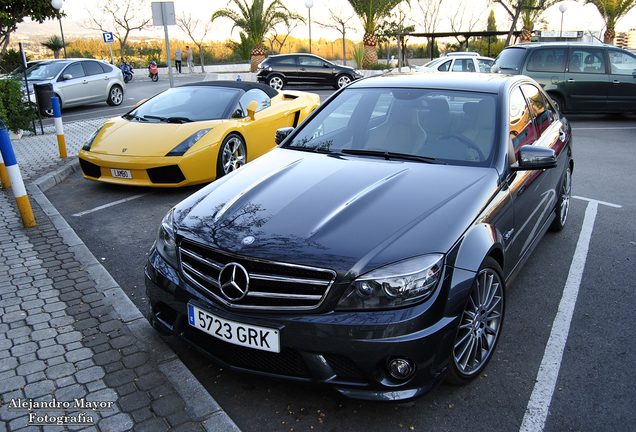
column 187, row 143
column 166, row 242
column 89, row 142
column 396, row 285
column 357, row 72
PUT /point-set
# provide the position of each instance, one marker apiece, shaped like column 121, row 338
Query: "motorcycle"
column 153, row 73
column 127, row 71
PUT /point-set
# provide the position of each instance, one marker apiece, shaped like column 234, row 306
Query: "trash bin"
column 43, row 95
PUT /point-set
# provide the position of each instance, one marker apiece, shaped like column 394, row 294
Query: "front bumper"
column 347, row 350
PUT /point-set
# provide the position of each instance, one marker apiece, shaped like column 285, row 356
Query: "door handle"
column 616, row 82
column 571, row 80
column 562, row 135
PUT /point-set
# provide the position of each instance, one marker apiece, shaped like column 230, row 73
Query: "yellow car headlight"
column 187, row 143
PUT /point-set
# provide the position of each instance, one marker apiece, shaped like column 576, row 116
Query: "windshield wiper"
column 387, row 155
column 135, row 117
column 170, row 119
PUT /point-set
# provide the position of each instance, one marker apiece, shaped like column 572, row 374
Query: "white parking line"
column 111, row 204
column 539, row 404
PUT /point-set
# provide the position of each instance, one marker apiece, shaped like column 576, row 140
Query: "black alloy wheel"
column 480, row 325
column 562, row 207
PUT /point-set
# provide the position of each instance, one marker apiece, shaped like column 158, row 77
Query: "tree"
column 55, row 44
column 126, row 15
column 371, row 12
column 14, row 112
column 13, row 12
column 514, row 8
column 531, row 13
column 189, row 26
column 293, row 22
column 340, row 24
column 256, row 21
column 458, row 17
column 430, row 11
column 612, row 11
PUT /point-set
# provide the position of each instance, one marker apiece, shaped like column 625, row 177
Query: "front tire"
column 343, row 80
column 115, row 96
column 276, row 82
column 480, row 325
column 562, row 207
column 232, row 155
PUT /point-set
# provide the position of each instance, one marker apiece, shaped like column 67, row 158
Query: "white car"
column 459, row 62
column 79, row 81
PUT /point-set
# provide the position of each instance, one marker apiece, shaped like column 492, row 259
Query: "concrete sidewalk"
column 70, row 339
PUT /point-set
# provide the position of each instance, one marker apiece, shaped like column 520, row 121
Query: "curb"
column 198, row 401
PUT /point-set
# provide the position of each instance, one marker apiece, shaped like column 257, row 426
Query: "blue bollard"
column 13, row 172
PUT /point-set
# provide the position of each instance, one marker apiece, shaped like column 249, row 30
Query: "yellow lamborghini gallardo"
column 192, row 134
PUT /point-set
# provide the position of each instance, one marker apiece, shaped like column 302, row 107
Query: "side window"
column 464, row 65
column 623, row 63
column 92, row 68
column 75, row 70
column 286, row 61
column 444, row 67
column 521, row 129
column 547, row 60
column 485, row 65
column 249, row 96
column 538, row 108
column 310, row 61
column 591, row 60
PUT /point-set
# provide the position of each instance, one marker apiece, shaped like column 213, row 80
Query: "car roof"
column 467, row 81
column 528, row 45
column 243, row 85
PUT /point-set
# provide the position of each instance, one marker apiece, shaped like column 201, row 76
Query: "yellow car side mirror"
column 251, row 109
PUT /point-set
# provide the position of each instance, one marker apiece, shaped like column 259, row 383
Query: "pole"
column 59, row 18
column 165, row 30
column 309, row 9
column 13, row 172
column 26, row 85
column 59, row 128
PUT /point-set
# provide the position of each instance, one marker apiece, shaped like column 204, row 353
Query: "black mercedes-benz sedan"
column 372, row 249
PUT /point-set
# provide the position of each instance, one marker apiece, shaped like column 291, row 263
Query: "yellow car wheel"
column 232, row 155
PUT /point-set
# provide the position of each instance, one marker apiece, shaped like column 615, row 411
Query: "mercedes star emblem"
column 234, row 281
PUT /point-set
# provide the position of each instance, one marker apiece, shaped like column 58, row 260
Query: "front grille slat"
column 272, row 285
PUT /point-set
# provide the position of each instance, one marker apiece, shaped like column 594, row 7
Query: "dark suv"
column 279, row 70
column 579, row 77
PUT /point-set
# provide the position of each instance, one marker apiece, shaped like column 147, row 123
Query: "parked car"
column 579, row 77
column 192, row 134
column 280, row 70
column 459, row 62
column 79, row 81
column 372, row 249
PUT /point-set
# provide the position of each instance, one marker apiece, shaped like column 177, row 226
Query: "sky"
column 576, row 17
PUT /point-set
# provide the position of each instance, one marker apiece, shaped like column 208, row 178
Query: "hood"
column 349, row 214
column 145, row 139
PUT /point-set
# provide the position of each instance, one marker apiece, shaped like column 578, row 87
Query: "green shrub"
column 14, row 112
column 379, row 66
column 358, row 55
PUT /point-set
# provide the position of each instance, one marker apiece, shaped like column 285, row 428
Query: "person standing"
column 190, row 64
column 177, row 59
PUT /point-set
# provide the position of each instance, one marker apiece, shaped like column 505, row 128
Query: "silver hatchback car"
column 79, row 81
column 459, row 62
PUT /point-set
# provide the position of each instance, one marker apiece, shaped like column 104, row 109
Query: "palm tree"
column 531, row 12
column 55, row 44
column 612, row 11
column 370, row 13
column 256, row 21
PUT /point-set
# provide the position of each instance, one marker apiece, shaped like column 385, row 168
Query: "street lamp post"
column 57, row 5
column 309, row 4
column 562, row 7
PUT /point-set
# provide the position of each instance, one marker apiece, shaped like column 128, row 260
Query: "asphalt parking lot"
column 567, row 359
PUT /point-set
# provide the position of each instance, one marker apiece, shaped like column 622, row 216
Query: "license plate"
column 247, row 335
column 121, row 173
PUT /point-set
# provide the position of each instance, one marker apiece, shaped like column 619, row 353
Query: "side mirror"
column 251, row 109
column 282, row 133
column 534, row 158
column 67, row 77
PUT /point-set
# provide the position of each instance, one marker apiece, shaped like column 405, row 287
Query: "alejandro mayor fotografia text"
column 76, row 419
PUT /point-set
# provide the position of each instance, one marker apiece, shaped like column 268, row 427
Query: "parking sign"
column 108, row 37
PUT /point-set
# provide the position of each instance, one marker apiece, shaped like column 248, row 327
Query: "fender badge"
column 124, row 150
column 248, row 240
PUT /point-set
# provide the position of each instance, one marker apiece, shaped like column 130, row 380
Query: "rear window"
column 509, row 61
